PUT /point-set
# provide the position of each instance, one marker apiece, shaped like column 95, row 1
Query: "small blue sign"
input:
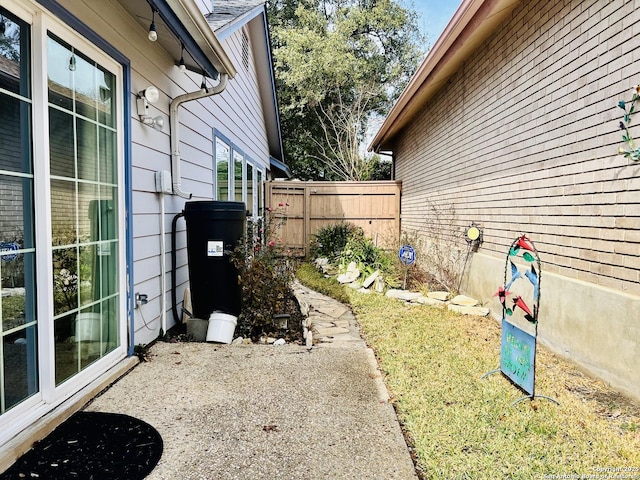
column 9, row 247
column 407, row 254
column 518, row 356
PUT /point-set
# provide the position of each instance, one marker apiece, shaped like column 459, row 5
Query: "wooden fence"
column 300, row 209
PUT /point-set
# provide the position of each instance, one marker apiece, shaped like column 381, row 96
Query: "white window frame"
column 246, row 162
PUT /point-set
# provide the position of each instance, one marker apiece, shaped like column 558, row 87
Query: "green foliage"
column 330, row 241
column 378, row 169
column 337, row 63
column 365, row 254
column 631, row 150
column 309, row 276
column 265, row 277
column 343, row 243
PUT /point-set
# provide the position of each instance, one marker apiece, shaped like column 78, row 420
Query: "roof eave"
column 472, row 24
column 191, row 16
column 226, row 30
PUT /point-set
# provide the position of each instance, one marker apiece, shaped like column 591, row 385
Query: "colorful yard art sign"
column 520, row 299
column 518, row 356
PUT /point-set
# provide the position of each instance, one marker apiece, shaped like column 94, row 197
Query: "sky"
column 435, row 15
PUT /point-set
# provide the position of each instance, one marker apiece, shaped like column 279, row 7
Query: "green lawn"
column 463, row 426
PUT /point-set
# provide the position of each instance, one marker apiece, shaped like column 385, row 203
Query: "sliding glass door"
column 61, row 213
column 84, row 206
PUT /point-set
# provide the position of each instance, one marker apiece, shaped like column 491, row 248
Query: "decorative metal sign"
column 407, row 254
column 518, row 356
column 520, row 299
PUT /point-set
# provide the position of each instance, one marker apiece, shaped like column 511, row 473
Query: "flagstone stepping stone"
column 370, row 279
column 443, row 296
column 335, row 310
column 469, row 310
column 402, row 294
column 464, row 301
column 432, row 302
column 330, row 331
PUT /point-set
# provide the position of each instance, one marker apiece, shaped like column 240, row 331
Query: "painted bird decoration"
column 523, row 242
column 532, row 275
column 515, row 274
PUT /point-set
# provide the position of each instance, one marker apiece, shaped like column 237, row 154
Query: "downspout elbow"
column 175, row 136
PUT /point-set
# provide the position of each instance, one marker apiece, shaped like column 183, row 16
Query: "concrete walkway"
column 272, row 412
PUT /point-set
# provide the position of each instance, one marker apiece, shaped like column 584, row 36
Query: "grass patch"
column 312, row 278
column 462, row 426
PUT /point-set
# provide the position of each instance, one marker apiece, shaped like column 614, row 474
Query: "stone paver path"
column 332, row 323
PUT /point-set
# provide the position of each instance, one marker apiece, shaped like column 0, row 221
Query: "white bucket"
column 88, row 327
column 221, row 327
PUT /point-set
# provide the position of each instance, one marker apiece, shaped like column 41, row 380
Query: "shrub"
column 265, row 278
column 365, row 254
column 330, row 241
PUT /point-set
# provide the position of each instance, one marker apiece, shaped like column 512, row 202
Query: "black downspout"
column 174, row 302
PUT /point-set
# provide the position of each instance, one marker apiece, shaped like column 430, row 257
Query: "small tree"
column 337, row 62
column 343, row 126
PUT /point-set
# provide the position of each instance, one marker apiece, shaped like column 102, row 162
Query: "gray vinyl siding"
column 237, row 112
column 524, row 139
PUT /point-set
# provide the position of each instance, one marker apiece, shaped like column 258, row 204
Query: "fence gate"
column 300, row 209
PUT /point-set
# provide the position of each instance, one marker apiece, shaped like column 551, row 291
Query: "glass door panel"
column 18, row 323
column 250, row 189
column 84, row 210
column 260, row 182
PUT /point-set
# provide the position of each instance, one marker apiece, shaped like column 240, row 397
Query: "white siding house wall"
column 524, row 139
column 236, row 112
column 245, row 124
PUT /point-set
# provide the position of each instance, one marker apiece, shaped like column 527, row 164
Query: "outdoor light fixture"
column 473, row 236
column 143, row 99
column 153, row 33
column 181, row 64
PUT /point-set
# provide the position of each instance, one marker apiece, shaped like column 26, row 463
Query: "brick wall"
column 524, row 139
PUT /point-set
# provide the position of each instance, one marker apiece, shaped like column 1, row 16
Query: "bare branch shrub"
column 439, row 249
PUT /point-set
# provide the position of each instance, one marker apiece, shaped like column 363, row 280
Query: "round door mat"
column 92, row 446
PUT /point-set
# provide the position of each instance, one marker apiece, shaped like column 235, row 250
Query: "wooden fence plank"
column 302, row 208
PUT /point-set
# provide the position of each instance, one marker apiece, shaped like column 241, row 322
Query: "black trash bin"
column 213, row 232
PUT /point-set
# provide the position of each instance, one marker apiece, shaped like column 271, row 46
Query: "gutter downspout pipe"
column 176, row 177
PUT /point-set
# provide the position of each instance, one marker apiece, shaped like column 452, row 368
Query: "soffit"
column 181, row 22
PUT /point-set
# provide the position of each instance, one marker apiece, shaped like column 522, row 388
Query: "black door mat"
column 92, row 446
